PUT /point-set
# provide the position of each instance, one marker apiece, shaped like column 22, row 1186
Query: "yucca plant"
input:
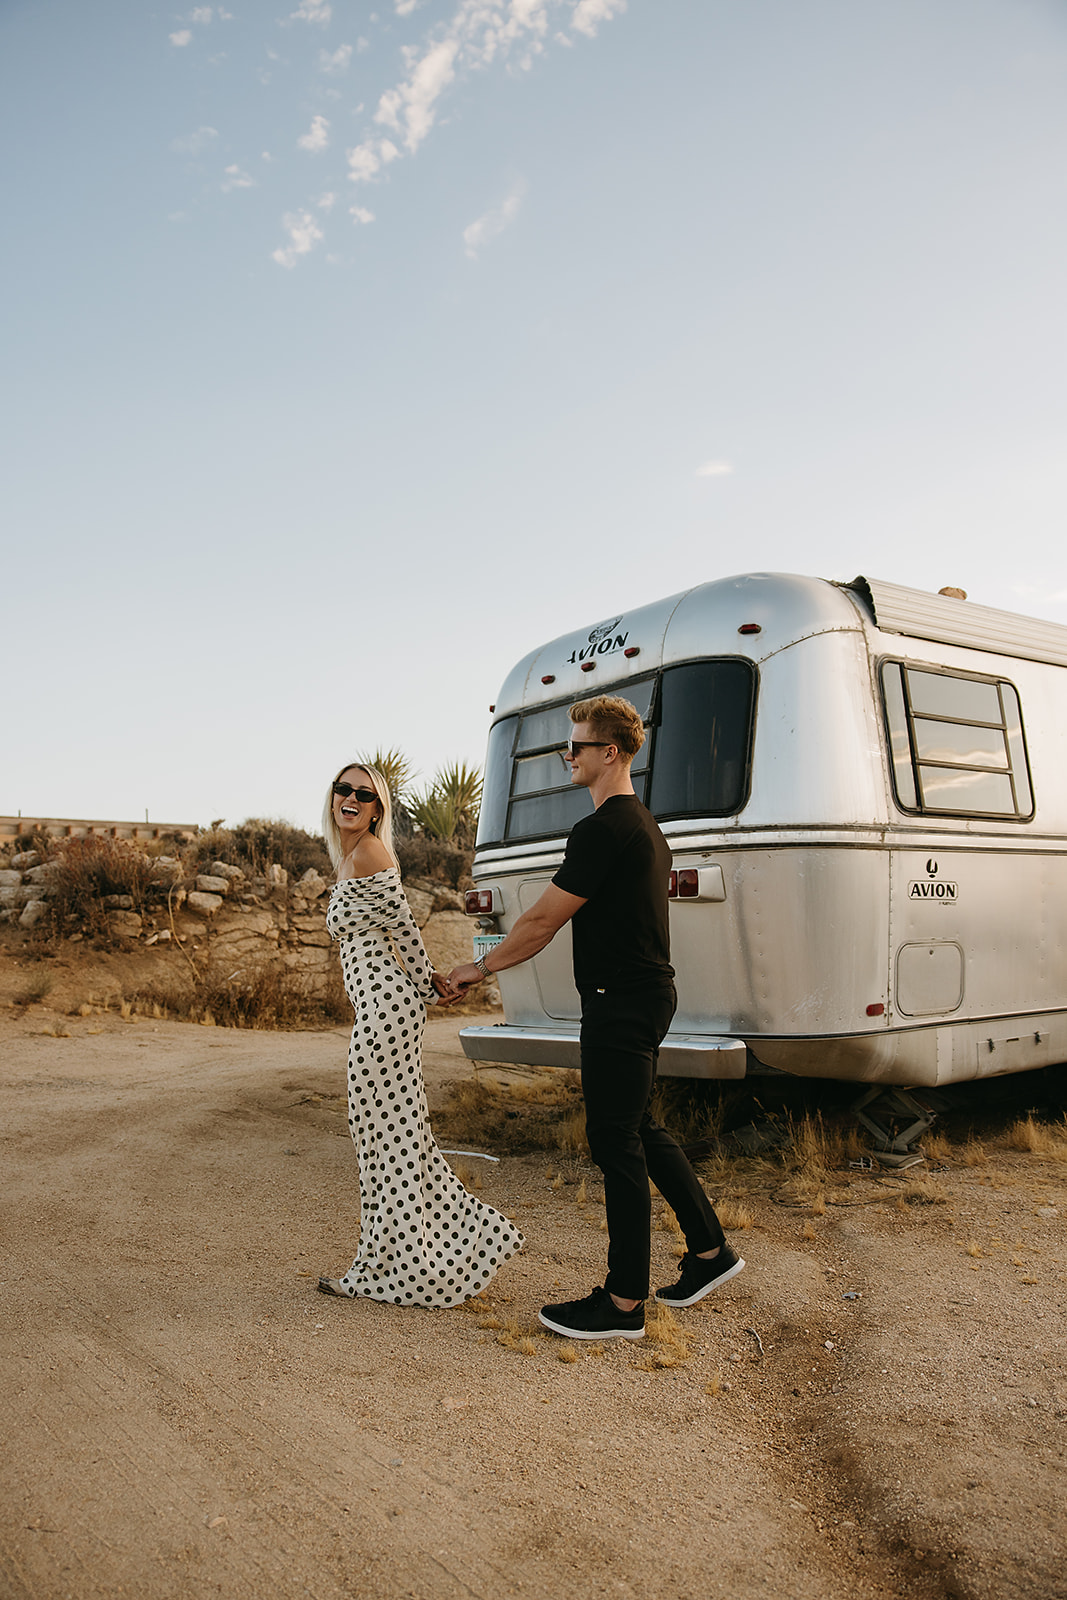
column 394, row 767
column 448, row 809
column 435, row 813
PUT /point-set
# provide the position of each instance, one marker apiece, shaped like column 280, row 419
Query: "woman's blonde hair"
column 381, row 827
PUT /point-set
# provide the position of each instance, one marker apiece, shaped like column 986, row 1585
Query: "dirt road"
column 876, row 1407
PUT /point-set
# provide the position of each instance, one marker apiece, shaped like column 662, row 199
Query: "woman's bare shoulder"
column 368, row 858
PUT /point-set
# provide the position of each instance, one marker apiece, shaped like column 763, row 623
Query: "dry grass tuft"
column 734, row 1214
column 32, row 993
column 544, row 1112
column 1037, row 1138
column 668, row 1344
column 973, row 1154
column 569, row 1353
column 975, row 1249
column 922, row 1192
column 714, row 1385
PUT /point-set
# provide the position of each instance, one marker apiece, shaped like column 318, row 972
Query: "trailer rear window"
column 956, row 743
column 695, row 759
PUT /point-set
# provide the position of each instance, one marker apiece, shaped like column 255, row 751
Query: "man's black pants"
column 621, row 1035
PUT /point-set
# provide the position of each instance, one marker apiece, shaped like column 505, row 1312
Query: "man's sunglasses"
column 366, row 797
column 576, row 746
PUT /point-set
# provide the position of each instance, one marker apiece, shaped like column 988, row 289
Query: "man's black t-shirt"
column 618, row 861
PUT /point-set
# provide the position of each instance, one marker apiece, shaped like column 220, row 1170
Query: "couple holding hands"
column 424, row 1240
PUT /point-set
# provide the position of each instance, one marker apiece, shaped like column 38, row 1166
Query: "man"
column 612, row 888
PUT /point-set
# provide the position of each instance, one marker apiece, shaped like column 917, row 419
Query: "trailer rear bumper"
column 681, row 1055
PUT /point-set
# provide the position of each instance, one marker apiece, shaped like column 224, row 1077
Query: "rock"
column 314, row 936
column 25, row 859
column 164, row 868
column 203, row 904
column 124, row 924
column 249, row 924
column 447, row 900
column 420, row 902
column 118, row 902
column 277, row 877
column 449, row 939
column 223, row 869
column 11, row 895
column 207, row 884
column 40, row 875
column 10, row 879
column 313, row 884
column 32, row 913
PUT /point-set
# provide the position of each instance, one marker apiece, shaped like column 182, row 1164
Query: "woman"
column 424, row 1240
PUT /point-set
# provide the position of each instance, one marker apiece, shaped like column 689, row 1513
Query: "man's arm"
column 530, row 934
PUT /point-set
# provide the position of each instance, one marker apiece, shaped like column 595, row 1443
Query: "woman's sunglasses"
column 366, row 797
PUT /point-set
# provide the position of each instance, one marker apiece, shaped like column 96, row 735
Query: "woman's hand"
column 445, row 993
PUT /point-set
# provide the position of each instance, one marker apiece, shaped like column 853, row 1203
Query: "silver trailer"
column 865, row 791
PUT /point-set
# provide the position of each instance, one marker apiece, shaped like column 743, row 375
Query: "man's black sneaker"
column 595, row 1317
column 699, row 1277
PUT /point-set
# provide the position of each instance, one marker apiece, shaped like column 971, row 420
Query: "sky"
column 352, row 351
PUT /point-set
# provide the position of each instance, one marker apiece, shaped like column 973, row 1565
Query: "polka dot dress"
column 424, row 1241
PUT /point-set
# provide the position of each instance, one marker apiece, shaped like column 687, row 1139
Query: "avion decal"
column 603, row 641
column 932, row 889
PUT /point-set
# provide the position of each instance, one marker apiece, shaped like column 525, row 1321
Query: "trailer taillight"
column 684, row 884
column 672, row 889
column 478, row 902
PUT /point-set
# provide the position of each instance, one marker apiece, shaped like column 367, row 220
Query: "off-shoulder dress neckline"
column 365, row 876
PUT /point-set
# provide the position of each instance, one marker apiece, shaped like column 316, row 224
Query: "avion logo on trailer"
column 603, row 641
column 932, row 887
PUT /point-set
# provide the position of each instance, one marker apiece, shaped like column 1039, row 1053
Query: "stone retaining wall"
column 226, row 915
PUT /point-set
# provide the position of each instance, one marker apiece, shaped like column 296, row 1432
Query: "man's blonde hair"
column 613, row 719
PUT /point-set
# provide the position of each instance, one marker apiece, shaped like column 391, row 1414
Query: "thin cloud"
column 360, row 214
column 317, row 137
column 326, row 202
column 477, row 35
column 304, row 234
column 181, row 38
column 201, row 14
column 193, row 143
column 477, row 234
column 715, row 469
column 367, row 159
column 312, row 11
column 589, row 14
column 236, row 179
column 337, row 62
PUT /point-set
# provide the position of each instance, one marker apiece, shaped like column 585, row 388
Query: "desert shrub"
column 423, row 857
column 268, row 995
column 85, row 870
column 260, row 842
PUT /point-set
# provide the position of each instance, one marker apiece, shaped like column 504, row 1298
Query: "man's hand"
column 460, row 979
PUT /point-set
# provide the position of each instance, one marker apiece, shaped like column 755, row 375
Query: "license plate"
column 484, row 942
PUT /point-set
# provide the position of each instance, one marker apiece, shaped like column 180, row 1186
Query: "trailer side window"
column 956, row 743
column 704, row 739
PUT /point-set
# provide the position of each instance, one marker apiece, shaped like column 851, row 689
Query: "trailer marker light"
column 877, row 1010
column 549, row 677
column 634, row 650
column 750, row 627
column 478, row 902
column 688, row 883
column 491, row 710
column 587, row 666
